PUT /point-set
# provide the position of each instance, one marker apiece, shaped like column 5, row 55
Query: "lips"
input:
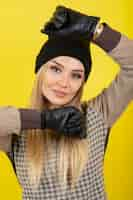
column 59, row 93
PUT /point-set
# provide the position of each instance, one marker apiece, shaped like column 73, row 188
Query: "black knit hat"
column 54, row 47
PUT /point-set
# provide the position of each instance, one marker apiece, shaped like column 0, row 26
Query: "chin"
column 57, row 104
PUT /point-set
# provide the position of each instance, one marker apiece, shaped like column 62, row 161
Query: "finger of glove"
column 74, row 130
column 59, row 17
column 60, row 9
column 57, row 22
column 79, row 132
column 76, row 127
column 74, row 124
column 82, row 135
column 47, row 28
column 64, row 121
column 60, row 14
column 73, row 114
column 51, row 25
column 76, row 117
column 73, row 111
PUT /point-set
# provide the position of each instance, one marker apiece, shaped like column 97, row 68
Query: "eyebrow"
column 78, row 70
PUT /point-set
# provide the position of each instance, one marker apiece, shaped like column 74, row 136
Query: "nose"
column 64, row 81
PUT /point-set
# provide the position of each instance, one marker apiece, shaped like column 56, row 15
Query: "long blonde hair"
column 72, row 152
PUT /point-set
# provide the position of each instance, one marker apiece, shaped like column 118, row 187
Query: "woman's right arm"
column 13, row 121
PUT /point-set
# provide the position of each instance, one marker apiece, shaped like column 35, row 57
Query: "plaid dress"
column 91, row 182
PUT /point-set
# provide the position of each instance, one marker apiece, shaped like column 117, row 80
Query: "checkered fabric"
column 91, row 183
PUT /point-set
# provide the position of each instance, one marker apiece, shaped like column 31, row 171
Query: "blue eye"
column 77, row 76
column 54, row 68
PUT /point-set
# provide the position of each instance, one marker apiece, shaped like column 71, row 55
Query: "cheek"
column 48, row 80
column 75, row 87
column 47, row 83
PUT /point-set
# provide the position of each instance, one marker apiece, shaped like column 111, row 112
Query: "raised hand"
column 66, row 22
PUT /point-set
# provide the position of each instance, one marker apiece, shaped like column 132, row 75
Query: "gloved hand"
column 66, row 22
column 66, row 120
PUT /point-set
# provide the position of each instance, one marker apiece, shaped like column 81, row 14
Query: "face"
column 63, row 77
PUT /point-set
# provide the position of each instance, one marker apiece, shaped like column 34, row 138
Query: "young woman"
column 50, row 165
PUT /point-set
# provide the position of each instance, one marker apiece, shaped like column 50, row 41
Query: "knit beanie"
column 55, row 47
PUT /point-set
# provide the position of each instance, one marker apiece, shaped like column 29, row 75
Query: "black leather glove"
column 66, row 22
column 66, row 120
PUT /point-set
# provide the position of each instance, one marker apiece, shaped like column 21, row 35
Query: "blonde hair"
column 72, row 152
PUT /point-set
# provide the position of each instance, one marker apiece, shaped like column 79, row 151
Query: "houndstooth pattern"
column 91, row 183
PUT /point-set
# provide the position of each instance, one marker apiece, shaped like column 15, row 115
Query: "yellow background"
column 20, row 41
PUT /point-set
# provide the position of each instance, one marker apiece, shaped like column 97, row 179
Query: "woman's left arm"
column 112, row 101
